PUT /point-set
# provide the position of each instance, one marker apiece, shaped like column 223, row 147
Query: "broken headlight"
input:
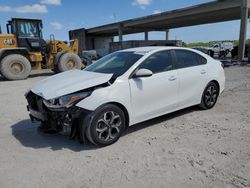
column 66, row 101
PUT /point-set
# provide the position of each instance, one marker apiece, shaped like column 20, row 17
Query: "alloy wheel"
column 211, row 95
column 108, row 126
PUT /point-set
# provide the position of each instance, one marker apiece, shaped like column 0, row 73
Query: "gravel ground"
column 189, row 148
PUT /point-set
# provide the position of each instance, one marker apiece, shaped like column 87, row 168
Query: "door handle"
column 172, row 78
column 203, row 72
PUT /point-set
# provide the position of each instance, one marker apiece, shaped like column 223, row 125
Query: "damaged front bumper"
column 36, row 115
column 63, row 120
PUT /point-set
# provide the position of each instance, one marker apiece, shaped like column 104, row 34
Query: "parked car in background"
column 88, row 56
column 221, row 48
column 125, row 88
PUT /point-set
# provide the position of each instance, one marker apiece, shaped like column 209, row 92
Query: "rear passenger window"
column 201, row 60
column 158, row 62
column 187, row 58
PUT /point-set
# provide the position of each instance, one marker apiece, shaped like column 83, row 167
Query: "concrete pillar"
column 120, row 33
column 249, row 53
column 79, row 34
column 167, row 34
column 249, row 49
column 146, row 35
column 243, row 29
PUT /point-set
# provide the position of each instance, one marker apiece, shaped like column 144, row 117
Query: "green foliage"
column 198, row 44
column 207, row 44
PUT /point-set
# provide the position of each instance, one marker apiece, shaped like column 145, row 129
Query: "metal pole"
column 146, row 36
column 243, row 29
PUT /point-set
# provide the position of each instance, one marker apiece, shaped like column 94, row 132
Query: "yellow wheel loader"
column 24, row 49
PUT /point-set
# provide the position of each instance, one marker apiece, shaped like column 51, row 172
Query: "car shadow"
column 160, row 119
column 28, row 135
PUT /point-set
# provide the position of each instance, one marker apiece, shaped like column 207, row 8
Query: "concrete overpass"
column 212, row 12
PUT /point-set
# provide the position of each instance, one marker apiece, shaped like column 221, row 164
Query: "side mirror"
column 143, row 73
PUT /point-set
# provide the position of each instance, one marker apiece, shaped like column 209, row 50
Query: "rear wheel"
column 15, row 67
column 69, row 61
column 210, row 96
column 105, row 125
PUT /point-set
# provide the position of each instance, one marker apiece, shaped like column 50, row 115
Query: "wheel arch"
column 10, row 51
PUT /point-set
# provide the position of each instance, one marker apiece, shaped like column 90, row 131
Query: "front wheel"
column 69, row 61
column 105, row 125
column 15, row 67
column 210, row 96
column 56, row 61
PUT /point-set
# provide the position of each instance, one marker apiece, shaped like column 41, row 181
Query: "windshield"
column 28, row 29
column 116, row 63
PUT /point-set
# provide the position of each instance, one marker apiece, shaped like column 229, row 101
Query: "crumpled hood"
column 68, row 82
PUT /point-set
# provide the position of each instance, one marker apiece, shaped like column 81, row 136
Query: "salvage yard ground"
column 189, row 148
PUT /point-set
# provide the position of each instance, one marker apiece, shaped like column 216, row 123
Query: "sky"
column 60, row 16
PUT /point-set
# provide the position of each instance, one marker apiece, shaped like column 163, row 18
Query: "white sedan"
column 123, row 89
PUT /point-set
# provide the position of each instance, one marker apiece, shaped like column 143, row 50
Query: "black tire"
column 15, row 67
column 211, row 53
column 210, row 96
column 56, row 60
column 102, row 129
column 69, row 61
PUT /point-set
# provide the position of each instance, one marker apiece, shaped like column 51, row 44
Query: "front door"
column 158, row 94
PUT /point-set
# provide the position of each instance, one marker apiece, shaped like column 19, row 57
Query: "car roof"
column 148, row 49
column 152, row 49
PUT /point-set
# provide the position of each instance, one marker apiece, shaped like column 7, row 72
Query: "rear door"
column 158, row 94
column 192, row 73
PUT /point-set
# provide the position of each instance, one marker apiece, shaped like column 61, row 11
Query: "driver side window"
column 158, row 62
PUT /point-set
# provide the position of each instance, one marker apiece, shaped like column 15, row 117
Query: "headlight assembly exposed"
column 66, row 101
column 72, row 99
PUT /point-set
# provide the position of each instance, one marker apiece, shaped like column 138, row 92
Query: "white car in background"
column 221, row 48
column 123, row 89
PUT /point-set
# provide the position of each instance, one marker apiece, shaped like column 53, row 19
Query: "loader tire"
column 15, row 67
column 69, row 61
column 56, row 60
